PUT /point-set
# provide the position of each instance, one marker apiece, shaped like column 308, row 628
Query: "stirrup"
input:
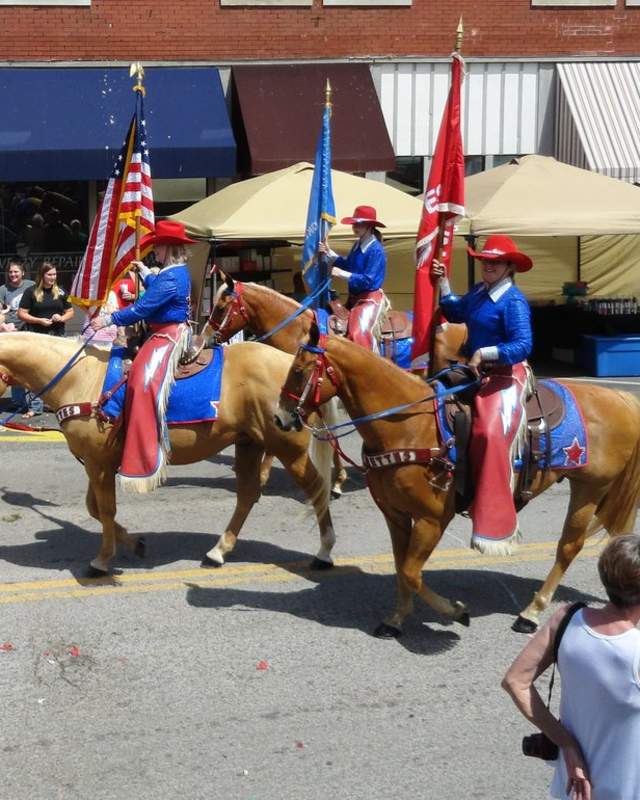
column 195, row 347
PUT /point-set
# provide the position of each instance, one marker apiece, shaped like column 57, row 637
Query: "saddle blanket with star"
column 192, row 400
column 569, row 443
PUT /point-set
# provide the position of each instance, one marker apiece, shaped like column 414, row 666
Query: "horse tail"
column 618, row 509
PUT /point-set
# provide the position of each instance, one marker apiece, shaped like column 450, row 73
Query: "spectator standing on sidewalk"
column 44, row 308
column 10, row 295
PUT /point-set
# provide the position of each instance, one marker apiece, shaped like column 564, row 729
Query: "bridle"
column 235, row 308
column 315, row 380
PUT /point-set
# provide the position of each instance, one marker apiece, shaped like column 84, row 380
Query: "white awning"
column 598, row 120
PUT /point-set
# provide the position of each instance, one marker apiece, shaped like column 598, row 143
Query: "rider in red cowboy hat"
column 165, row 308
column 498, row 318
column 364, row 269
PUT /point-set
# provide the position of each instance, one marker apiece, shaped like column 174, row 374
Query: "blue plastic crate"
column 611, row 356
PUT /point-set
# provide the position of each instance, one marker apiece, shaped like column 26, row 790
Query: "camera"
column 539, row 745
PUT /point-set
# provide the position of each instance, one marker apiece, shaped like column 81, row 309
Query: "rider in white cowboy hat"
column 498, row 318
column 364, row 269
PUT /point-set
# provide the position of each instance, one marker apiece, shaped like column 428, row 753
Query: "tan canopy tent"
column 573, row 223
column 274, row 207
column 539, row 196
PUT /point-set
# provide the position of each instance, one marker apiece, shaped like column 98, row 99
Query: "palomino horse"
column 251, row 381
column 603, row 494
column 240, row 305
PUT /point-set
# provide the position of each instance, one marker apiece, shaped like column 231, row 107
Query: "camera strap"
column 562, row 627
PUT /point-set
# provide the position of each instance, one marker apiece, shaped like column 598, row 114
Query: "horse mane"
column 62, row 345
column 275, row 296
column 386, row 372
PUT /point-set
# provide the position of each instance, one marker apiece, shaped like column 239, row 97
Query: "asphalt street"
column 261, row 680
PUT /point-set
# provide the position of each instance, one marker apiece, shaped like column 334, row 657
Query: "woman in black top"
column 44, row 308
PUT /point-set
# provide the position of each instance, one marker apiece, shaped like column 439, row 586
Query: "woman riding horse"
column 364, row 268
column 165, row 307
column 498, row 317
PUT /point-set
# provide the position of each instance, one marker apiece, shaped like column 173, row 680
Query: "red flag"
column 443, row 204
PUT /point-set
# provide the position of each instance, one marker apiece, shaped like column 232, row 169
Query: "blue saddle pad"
column 569, row 444
column 193, row 399
column 398, row 350
column 322, row 320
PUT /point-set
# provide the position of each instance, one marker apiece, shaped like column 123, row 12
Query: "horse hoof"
column 94, row 572
column 319, row 564
column 209, row 563
column 384, row 631
column 464, row 619
column 336, row 494
column 141, row 547
column 523, row 625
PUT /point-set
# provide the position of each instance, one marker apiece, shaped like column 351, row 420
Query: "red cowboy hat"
column 502, row 248
column 167, row 232
column 363, row 215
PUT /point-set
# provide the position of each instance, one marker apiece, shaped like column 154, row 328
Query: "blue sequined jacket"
column 367, row 267
column 499, row 321
column 166, row 299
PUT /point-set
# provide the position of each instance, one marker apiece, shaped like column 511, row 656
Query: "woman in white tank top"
column 599, row 660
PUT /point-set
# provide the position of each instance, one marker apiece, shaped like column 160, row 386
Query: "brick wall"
column 202, row 30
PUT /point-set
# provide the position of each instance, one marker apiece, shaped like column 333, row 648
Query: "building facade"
column 250, row 73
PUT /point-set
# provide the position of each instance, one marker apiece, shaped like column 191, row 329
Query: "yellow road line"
column 144, row 583
column 249, row 570
column 36, row 436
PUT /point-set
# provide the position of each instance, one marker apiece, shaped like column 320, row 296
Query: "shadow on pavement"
column 347, row 597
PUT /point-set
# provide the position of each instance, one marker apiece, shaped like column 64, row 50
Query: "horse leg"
column 400, row 530
column 582, row 507
column 309, row 480
column 420, row 543
column 247, row 467
column 265, row 468
column 101, row 504
column 135, row 543
column 340, row 476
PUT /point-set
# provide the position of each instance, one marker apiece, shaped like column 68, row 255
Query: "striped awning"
column 598, row 117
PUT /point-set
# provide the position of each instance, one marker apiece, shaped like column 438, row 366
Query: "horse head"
column 229, row 315
column 305, row 388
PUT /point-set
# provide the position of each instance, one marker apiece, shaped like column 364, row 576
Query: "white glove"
column 101, row 321
column 336, row 272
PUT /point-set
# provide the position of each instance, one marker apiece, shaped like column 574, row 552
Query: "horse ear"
column 314, row 335
column 229, row 281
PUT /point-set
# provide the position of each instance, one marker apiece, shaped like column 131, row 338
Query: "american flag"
column 127, row 203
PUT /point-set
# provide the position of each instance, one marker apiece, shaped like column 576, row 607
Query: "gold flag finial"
column 459, row 35
column 137, row 70
column 327, row 93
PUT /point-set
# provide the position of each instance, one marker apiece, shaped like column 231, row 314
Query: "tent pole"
column 579, row 258
column 471, row 264
column 213, row 276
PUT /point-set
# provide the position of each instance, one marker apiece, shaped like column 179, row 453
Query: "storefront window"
column 408, row 176
column 44, row 220
column 498, row 161
column 473, row 165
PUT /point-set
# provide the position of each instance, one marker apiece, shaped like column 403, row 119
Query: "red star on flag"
column 573, row 454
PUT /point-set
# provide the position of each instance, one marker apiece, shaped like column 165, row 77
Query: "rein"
column 56, row 378
column 314, row 384
column 237, row 307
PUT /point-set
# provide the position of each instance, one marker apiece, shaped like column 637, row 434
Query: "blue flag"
column 321, row 215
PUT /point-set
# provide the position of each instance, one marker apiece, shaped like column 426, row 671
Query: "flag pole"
column 136, row 70
column 323, row 299
column 440, row 237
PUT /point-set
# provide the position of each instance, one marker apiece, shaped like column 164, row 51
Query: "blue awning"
column 69, row 123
